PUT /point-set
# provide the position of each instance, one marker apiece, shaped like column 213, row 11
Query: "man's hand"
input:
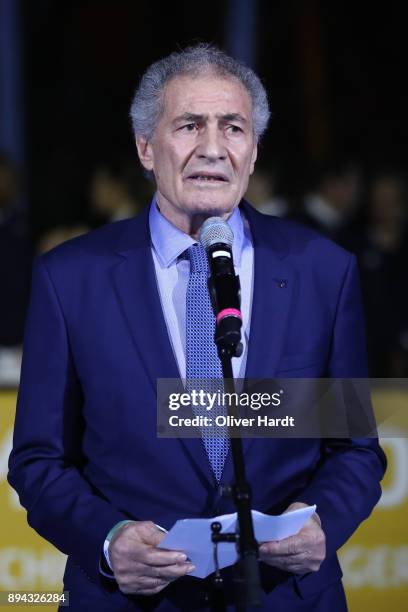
column 301, row 553
column 139, row 566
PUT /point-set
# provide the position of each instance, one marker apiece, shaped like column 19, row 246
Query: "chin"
column 214, row 206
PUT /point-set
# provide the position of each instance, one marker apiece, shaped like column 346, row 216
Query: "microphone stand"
column 246, row 574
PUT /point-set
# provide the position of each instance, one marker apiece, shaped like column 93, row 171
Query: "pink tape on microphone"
column 228, row 312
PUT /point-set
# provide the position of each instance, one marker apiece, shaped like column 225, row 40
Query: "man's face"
column 203, row 149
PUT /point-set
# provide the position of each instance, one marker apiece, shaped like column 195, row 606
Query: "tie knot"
column 198, row 258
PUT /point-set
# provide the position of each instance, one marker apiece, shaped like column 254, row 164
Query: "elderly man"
column 113, row 311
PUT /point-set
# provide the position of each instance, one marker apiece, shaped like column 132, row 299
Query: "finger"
column 134, row 550
column 289, row 565
column 154, row 591
column 265, row 553
column 150, row 555
column 278, row 560
column 151, row 582
column 169, row 572
column 160, row 557
column 135, row 568
column 287, row 547
column 299, row 568
column 148, row 584
column 297, row 559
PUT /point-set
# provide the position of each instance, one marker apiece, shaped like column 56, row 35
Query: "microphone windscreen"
column 215, row 231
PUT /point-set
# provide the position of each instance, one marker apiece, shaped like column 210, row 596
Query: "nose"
column 211, row 145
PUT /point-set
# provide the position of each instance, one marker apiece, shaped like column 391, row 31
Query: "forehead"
column 208, row 94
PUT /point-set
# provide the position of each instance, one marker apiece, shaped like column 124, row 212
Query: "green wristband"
column 115, row 528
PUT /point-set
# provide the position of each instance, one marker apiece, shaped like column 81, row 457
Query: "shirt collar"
column 169, row 242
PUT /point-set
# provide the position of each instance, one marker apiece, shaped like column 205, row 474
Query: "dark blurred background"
column 333, row 157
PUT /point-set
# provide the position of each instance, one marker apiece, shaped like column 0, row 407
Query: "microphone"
column 216, row 237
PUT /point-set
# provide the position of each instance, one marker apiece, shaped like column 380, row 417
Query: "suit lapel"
column 272, row 295
column 135, row 282
column 136, row 286
column 273, row 287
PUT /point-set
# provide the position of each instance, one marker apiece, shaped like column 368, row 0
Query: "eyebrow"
column 234, row 117
column 197, row 118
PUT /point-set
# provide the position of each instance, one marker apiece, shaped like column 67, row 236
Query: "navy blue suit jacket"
column 85, row 452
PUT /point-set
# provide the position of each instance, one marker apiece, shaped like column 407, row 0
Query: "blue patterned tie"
column 202, row 360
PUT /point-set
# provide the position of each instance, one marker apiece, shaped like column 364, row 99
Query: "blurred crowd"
column 366, row 213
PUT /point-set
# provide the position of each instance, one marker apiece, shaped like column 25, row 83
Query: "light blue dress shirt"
column 172, row 274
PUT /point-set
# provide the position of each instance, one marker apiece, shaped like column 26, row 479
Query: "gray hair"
column 147, row 104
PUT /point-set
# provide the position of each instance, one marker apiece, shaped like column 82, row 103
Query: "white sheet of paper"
column 193, row 536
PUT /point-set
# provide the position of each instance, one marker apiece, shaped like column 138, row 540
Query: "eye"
column 189, row 127
column 234, row 129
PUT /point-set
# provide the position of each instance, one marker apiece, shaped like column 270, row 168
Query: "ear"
column 145, row 152
column 254, row 157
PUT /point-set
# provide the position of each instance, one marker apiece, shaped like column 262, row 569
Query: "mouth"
column 207, row 178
